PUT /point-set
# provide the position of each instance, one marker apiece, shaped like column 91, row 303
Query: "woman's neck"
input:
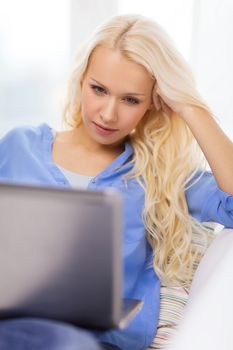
column 74, row 152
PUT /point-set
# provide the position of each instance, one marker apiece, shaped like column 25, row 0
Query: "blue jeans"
column 36, row 334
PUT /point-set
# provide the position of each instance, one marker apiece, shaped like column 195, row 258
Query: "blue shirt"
column 26, row 158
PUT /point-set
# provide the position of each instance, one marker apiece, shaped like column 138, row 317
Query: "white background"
column 38, row 39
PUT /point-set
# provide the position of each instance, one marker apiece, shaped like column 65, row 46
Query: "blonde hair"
column 166, row 155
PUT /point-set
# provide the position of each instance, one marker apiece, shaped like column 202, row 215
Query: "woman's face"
column 116, row 93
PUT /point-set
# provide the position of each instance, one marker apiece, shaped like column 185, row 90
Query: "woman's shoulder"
column 27, row 130
column 26, row 134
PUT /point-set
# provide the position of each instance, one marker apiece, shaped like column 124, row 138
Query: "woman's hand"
column 216, row 146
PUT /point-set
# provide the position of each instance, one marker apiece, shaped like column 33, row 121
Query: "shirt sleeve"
column 6, row 145
column 18, row 157
column 10, row 154
column 207, row 202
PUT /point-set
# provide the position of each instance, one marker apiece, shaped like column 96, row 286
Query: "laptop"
column 60, row 256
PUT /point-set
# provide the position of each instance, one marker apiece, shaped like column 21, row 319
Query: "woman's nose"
column 109, row 112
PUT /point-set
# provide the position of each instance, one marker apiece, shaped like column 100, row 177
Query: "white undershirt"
column 76, row 180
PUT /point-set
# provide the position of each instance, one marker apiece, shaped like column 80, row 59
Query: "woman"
column 137, row 124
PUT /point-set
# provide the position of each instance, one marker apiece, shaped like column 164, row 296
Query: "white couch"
column 208, row 318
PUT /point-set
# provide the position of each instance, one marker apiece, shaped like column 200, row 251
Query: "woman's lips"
column 103, row 130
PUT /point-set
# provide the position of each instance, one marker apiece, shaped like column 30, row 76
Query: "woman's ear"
column 152, row 106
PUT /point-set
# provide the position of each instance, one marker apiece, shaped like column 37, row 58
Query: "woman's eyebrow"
column 125, row 93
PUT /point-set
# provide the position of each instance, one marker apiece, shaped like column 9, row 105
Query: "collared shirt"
column 26, row 158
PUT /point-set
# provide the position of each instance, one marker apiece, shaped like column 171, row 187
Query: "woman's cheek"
column 134, row 116
column 89, row 105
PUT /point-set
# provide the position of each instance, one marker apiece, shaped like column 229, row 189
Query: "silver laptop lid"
column 60, row 254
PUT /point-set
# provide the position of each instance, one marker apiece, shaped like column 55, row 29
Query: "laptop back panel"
column 60, row 255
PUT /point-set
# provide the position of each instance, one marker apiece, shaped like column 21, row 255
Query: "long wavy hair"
column 166, row 155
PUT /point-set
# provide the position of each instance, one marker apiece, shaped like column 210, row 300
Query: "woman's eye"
column 131, row 100
column 98, row 89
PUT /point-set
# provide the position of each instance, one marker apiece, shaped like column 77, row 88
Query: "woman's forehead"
column 110, row 67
